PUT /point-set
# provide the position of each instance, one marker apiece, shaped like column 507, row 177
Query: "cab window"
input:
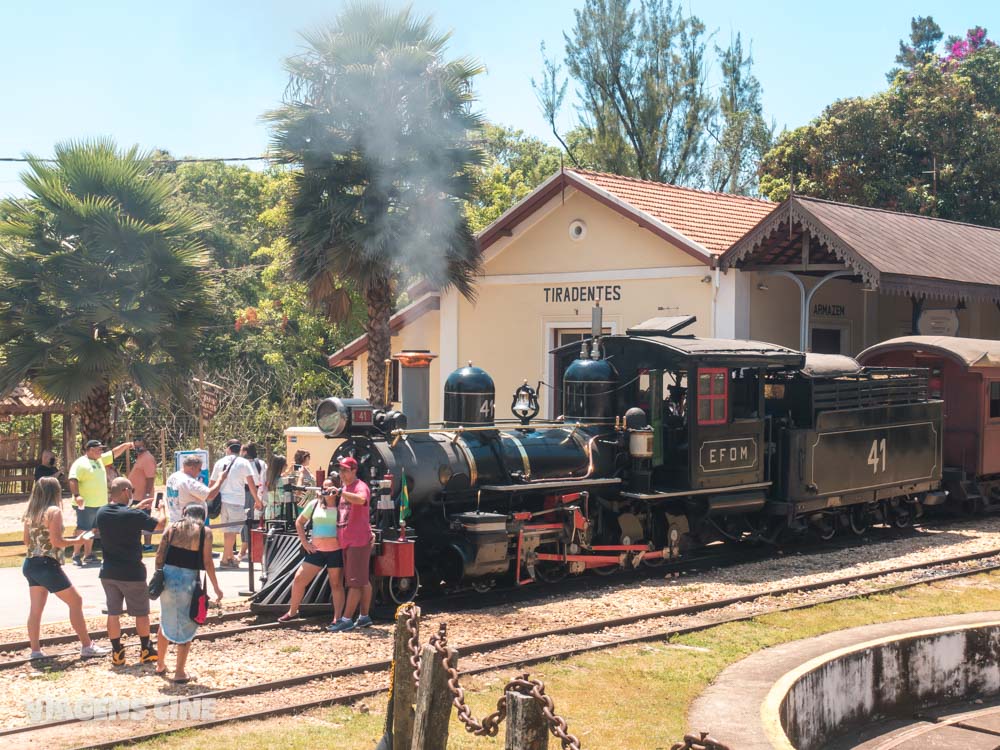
column 713, row 395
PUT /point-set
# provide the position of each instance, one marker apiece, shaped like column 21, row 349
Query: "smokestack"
column 415, row 386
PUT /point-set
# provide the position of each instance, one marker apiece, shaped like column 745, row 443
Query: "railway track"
column 527, row 648
column 720, row 556
column 717, row 557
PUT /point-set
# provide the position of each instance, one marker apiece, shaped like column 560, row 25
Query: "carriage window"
column 712, row 395
column 995, row 399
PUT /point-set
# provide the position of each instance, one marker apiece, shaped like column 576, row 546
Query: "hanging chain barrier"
column 701, row 741
column 490, row 726
column 413, row 628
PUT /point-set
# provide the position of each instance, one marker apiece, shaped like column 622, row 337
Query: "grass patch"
column 289, row 649
column 625, row 698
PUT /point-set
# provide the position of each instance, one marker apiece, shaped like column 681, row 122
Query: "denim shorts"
column 45, row 572
column 322, row 559
column 85, row 518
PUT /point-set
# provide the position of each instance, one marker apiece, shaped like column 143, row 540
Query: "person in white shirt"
column 253, row 508
column 184, row 487
column 240, row 473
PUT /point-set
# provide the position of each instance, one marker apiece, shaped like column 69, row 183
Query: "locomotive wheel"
column 900, row 514
column 825, row 527
column 606, row 570
column 861, row 519
column 399, row 590
column 551, row 572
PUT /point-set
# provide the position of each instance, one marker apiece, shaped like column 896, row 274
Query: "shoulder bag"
column 198, row 611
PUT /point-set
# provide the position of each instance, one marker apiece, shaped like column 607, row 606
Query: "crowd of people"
column 123, row 513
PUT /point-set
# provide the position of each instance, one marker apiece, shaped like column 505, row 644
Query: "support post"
column 430, row 722
column 201, row 417
column 69, row 437
column 163, row 453
column 46, row 436
column 404, row 692
column 526, row 725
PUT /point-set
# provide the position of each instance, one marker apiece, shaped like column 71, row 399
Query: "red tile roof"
column 21, row 399
column 713, row 220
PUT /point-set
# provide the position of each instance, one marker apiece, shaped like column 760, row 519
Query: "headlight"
column 331, row 417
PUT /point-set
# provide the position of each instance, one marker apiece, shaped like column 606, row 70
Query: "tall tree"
column 379, row 123
column 100, row 280
column 640, row 77
column 924, row 37
column 741, row 135
column 929, row 144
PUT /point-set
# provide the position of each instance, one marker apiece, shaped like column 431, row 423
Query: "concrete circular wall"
column 892, row 677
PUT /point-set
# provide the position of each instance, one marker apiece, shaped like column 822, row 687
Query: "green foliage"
column 741, row 135
column 930, row 144
column 924, row 37
column 644, row 104
column 515, row 164
column 266, row 322
column 101, row 276
column 383, row 176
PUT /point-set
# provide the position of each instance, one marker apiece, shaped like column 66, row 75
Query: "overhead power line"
column 159, row 161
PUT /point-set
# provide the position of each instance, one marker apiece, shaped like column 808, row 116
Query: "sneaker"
column 363, row 621
column 341, row 626
column 148, row 548
column 288, row 617
column 117, row 657
column 148, row 655
column 89, row 652
column 91, row 560
column 78, row 561
column 38, row 655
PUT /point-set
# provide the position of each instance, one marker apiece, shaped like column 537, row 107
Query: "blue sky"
column 194, row 76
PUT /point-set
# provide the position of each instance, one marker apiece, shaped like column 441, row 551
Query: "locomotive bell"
column 469, row 396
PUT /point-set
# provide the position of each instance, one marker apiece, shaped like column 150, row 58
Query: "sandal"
column 183, row 680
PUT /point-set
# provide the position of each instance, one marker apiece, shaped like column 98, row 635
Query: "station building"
column 808, row 274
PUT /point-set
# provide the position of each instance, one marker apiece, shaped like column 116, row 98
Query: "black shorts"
column 45, row 572
column 321, row 559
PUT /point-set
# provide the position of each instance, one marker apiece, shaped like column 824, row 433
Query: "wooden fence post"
column 403, row 689
column 430, row 723
column 526, row 725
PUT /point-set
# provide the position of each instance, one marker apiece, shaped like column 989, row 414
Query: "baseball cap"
column 93, row 444
column 348, row 463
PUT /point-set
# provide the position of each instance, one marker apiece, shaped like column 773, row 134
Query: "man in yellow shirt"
column 88, row 483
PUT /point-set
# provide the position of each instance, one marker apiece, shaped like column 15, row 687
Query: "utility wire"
column 158, row 161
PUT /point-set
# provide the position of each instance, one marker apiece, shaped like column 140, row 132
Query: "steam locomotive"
column 666, row 442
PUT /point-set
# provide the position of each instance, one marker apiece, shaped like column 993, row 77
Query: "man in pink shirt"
column 143, row 477
column 356, row 539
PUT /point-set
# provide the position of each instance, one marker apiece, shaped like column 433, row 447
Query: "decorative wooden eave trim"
column 790, row 213
column 938, row 289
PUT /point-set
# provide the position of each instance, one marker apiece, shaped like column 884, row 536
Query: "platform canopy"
column 892, row 252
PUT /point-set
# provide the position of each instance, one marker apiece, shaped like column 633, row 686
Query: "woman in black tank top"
column 185, row 550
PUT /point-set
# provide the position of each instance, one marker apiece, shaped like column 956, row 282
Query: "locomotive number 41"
column 876, row 456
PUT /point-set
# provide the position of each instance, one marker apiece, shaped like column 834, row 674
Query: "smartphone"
column 159, row 499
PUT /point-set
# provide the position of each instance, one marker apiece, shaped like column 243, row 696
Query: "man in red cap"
column 356, row 540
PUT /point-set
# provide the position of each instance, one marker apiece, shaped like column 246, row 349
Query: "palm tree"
column 100, row 280
column 380, row 124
